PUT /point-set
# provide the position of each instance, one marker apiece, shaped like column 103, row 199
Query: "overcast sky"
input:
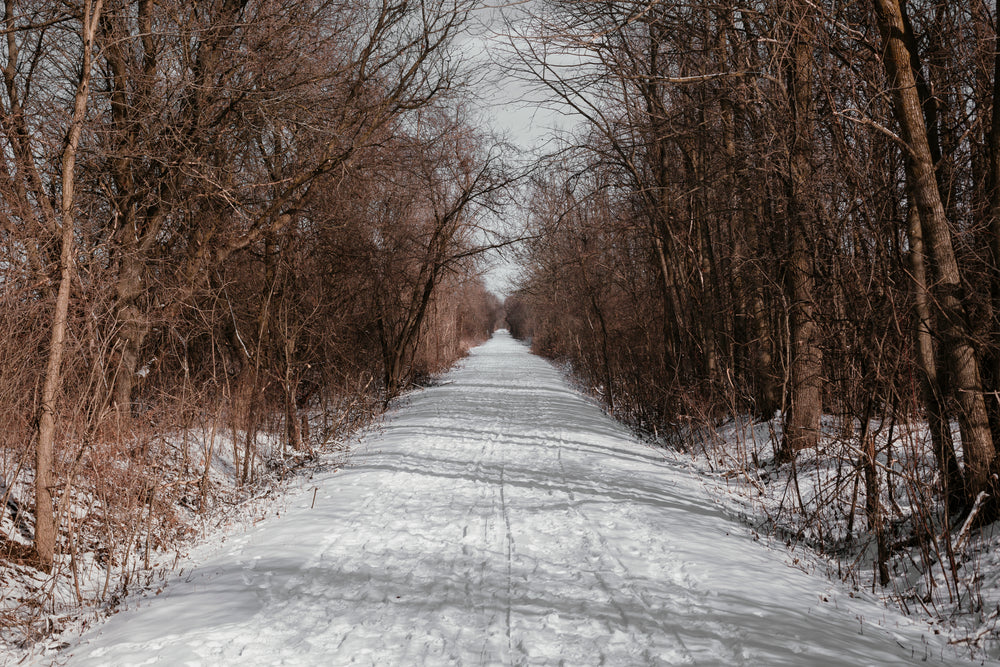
column 511, row 107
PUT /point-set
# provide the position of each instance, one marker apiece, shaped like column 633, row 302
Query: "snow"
column 501, row 518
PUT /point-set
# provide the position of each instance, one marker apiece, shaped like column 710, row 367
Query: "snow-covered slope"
column 502, row 518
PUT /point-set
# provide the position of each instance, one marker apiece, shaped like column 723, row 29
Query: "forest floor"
column 197, row 503
column 816, row 506
column 500, row 517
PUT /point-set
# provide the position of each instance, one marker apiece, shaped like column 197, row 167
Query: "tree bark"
column 992, row 361
column 930, row 385
column 132, row 326
column 131, row 100
column 45, row 522
column 977, row 440
column 801, row 428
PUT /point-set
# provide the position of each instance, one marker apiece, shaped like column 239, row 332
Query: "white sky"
column 512, row 108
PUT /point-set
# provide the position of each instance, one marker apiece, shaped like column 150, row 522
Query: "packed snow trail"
column 502, row 519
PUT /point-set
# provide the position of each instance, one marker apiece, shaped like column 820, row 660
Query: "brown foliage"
column 272, row 234
column 790, row 214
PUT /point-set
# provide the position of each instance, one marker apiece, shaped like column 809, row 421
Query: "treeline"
column 778, row 207
column 232, row 213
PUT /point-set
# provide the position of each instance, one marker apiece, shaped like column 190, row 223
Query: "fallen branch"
column 964, row 533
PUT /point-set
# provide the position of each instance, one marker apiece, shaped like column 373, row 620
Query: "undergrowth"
column 130, row 511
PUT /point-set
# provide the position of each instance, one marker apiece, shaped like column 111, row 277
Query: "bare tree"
column 923, row 188
column 805, row 385
column 54, row 204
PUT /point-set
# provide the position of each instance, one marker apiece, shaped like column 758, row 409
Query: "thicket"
column 785, row 211
column 221, row 216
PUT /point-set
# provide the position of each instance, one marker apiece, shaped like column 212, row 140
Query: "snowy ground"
column 502, row 518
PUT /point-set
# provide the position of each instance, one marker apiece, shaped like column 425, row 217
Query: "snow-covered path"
column 501, row 518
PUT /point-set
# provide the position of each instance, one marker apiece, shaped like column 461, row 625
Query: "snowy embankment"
column 502, row 518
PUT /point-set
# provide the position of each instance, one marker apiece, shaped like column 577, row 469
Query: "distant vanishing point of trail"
column 502, row 519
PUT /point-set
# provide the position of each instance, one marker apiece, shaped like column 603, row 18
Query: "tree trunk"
column 293, row 429
column 132, row 328
column 977, row 440
column 873, row 511
column 934, row 410
column 131, row 98
column 45, row 522
column 992, row 361
column 805, row 388
column 45, row 527
column 659, row 201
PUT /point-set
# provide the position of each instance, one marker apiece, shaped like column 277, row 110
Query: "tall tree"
column 45, row 522
column 922, row 186
column 805, row 403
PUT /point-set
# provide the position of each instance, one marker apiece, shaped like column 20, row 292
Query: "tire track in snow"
column 496, row 433
column 510, row 555
column 489, row 452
